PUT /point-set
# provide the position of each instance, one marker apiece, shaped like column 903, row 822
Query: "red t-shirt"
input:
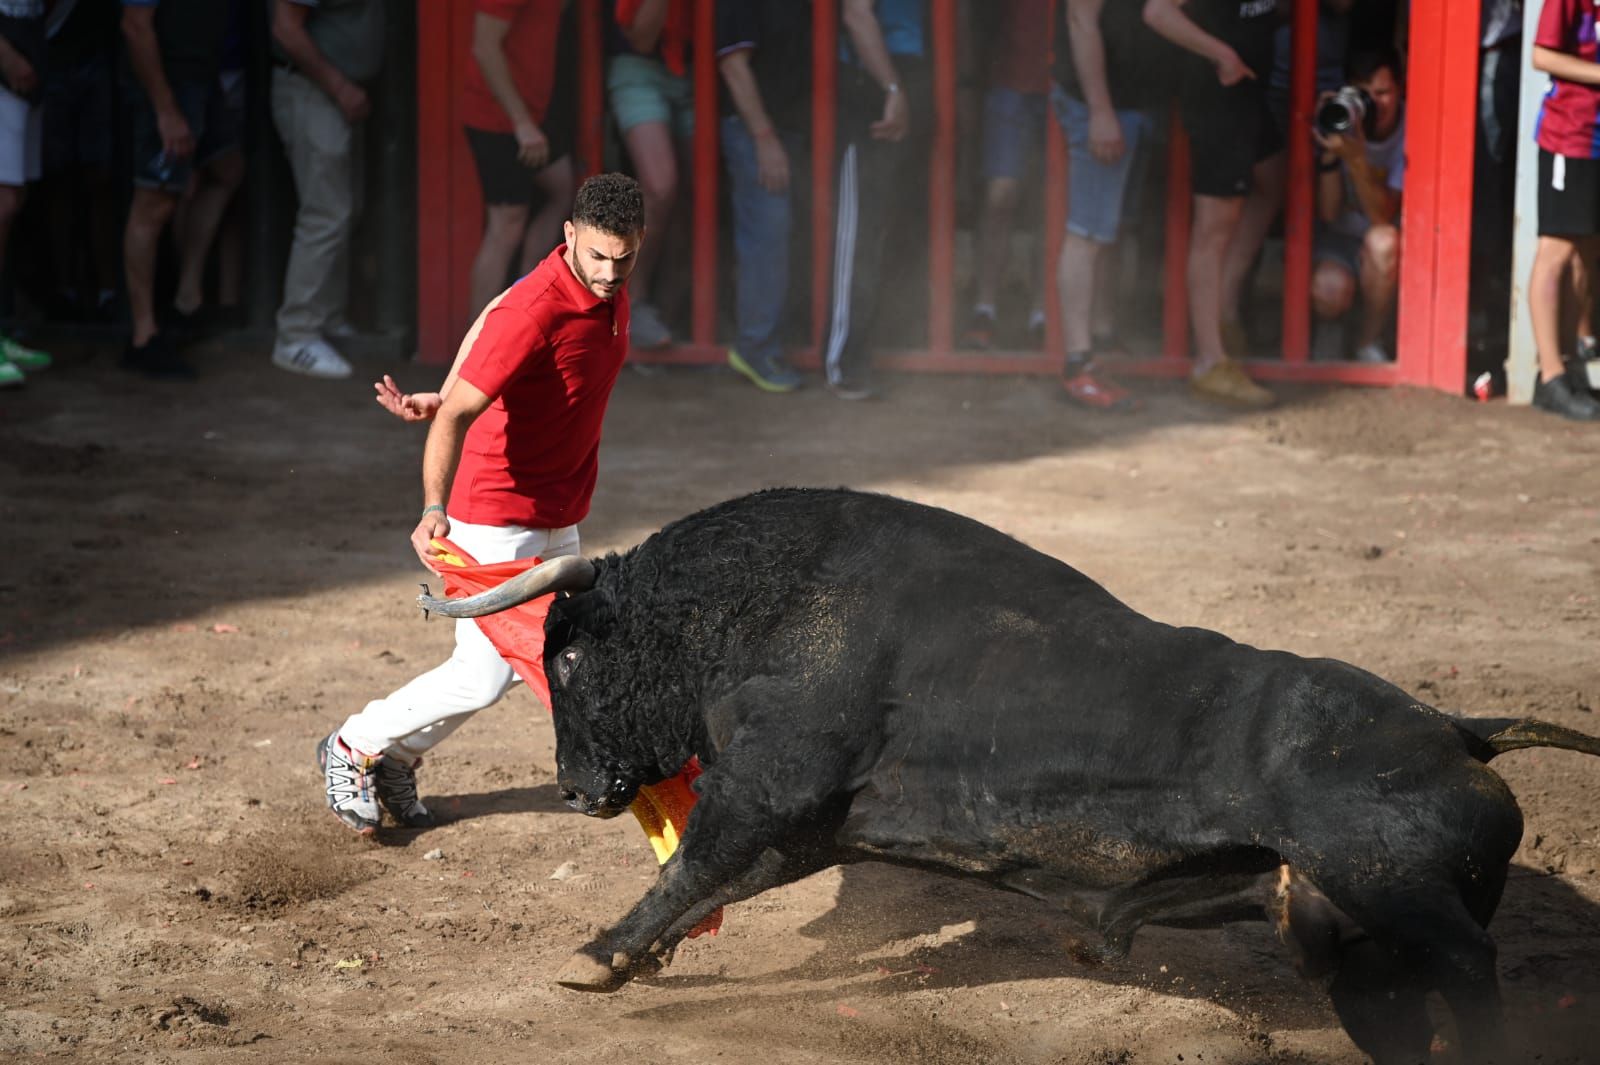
column 1022, row 53
column 530, row 47
column 1569, row 119
column 547, row 352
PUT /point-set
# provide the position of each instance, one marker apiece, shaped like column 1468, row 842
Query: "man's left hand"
column 412, row 407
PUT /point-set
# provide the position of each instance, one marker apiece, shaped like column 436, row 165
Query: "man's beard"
column 588, row 282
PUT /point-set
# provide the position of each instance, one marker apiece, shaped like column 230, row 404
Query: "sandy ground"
column 206, row 579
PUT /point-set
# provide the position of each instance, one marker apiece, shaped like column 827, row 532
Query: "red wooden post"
column 591, row 88
column 703, row 325
column 1180, row 205
column 824, row 124
column 1299, row 200
column 434, row 96
column 1457, row 116
column 1055, row 208
column 1418, row 232
column 942, row 181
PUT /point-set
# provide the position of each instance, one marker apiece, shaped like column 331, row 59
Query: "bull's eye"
column 566, row 664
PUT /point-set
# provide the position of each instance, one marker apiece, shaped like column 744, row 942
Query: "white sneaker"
column 314, row 358
column 1372, row 353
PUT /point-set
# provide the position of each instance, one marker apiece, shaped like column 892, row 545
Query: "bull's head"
column 598, row 768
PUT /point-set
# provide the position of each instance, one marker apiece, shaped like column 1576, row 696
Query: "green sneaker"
column 10, row 376
column 21, row 357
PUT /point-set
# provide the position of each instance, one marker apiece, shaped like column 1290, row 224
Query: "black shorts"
column 1573, row 209
column 502, row 177
column 1230, row 131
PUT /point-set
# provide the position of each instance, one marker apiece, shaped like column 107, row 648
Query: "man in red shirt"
column 518, row 117
column 514, row 448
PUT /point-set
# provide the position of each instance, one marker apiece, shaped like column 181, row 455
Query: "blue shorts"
column 215, row 112
column 1095, row 190
column 1013, row 131
column 643, row 90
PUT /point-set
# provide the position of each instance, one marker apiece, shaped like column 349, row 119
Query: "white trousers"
column 412, row 720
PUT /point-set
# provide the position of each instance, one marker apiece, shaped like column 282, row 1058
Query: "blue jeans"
column 761, row 223
column 1095, row 189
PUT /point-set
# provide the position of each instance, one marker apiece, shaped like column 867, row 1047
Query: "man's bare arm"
column 289, row 30
column 144, row 55
column 644, row 32
column 1565, row 65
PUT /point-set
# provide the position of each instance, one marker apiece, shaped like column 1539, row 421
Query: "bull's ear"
column 591, row 613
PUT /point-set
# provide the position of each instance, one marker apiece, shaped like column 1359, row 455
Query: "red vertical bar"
column 433, row 182
column 1458, row 82
column 591, row 88
column 1180, row 205
column 942, row 182
column 1299, row 201
column 1424, row 167
column 1055, row 206
column 824, row 125
column 703, row 324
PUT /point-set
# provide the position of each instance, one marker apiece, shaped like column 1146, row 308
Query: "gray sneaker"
column 646, row 329
column 397, row 791
column 350, row 780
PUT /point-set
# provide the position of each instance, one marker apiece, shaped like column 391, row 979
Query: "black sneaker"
column 349, row 781
column 397, row 791
column 157, row 358
column 1558, row 396
column 853, row 388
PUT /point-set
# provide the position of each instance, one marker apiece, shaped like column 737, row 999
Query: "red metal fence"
column 1436, row 224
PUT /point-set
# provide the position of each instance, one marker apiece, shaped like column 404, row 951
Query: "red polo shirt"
column 530, row 47
column 547, row 353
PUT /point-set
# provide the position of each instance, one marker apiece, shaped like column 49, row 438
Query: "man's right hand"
column 353, row 102
column 1231, row 69
column 772, row 163
column 177, row 140
column 896, row 120
column 408, row 407
column 1105, row 136
column 20, row 75
column 533, row 147
column 433, row 524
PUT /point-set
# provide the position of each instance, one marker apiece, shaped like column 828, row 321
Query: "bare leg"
column 1548, row 279
column 502, row 236
column 216, row 183
column 994, row 236
column 1260, row 208
column 1333, row 290
column 1215, row 220
column 655, row 162
column 147, row 217
column 555, row 184
column 1075, row 282
column 1380, row 276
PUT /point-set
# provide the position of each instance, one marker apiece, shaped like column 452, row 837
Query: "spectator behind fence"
column 198, row 223
column 883, row 111
column 1359, row 178
column 1569, row 194
column 1109, row 73
column 22, row 49
column 180, row 126
column 1266, row 196
column 324, row 51
column 764, row 54
column 517, row 107
column 652, row 97
column 1224, row 110
column 79, row 130
column 1013, row 133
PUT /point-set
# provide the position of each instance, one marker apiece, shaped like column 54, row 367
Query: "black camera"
column 1344, row 111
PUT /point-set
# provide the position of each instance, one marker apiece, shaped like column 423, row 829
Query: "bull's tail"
column 1491, row 736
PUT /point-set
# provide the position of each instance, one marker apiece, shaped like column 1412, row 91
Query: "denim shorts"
column 215, row 113
column 1013, row 131
column 644, row 90
column 1095, row 190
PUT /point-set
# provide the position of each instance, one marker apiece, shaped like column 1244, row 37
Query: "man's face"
column 1385, row 93
column 602, row 261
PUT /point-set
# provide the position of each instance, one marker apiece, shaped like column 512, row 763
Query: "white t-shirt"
column 1387, row 158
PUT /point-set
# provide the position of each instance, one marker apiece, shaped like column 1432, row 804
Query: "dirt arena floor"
column 205, row 579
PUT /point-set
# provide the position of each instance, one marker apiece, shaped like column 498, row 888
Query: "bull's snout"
column 609, row 805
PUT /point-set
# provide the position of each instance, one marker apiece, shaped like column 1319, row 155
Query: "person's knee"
column 1381, row 248
column 226, row 171
column 1333, row 290
column 505, row 227
column 152, row 208
column 10, row 202
column 1003, row 194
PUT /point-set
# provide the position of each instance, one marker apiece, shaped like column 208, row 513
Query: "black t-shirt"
column 1246, row 26
column 779, row 32
column 88, row 29
column 22, row 25
column 1140, row 63
column 190, row 33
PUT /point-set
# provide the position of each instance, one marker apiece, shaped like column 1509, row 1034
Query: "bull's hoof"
column 585, row 973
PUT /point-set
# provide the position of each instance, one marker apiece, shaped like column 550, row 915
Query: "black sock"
column 1077, row 362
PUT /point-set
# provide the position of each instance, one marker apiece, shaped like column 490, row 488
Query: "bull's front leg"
column 748, row 832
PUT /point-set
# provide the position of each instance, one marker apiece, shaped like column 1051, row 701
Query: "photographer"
column 1360, row 132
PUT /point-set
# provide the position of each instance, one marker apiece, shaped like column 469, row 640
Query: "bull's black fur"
column 865, row 677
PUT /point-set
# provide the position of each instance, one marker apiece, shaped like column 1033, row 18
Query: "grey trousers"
column 325, row 155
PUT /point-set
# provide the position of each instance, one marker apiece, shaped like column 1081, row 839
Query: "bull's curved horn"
column 566, row 574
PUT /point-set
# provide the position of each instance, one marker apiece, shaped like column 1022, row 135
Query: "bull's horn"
column 566, row 574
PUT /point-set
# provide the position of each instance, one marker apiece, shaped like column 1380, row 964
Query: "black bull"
column 866, row 678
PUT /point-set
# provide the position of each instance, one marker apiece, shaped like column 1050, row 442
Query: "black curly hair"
column 611, row 203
